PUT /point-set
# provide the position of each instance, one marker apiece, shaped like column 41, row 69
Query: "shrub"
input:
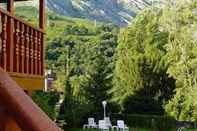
column 145, row 121
column 74, row 111
column 46, row 101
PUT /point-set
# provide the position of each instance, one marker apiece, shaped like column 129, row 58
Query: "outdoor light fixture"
column 104, row 103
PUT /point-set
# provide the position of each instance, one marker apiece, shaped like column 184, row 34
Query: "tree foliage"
column 47, row 102
column 86, row 62
column 156, row 59
column 140, row 67
column 180, row 20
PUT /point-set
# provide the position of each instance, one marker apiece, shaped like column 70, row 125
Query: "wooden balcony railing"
column 21, row 52
column 22, row 46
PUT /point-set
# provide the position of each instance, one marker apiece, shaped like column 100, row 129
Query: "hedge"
column 145, row 121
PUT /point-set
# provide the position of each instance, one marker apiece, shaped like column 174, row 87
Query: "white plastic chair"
column 120, row 126
column 103, row 126
column 91, row 124
column 108, row 122
column 181, row 129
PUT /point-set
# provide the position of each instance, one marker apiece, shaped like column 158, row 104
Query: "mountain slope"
column 119, row 12
column 56, row 24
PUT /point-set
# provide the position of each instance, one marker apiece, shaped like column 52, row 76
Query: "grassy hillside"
column 56, row 24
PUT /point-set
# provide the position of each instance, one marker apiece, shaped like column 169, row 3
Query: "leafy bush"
column 46, row 101
column 142, row 105
column 76, row 30
column 73, row 110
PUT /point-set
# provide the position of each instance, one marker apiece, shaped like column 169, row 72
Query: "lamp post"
column 104, row 103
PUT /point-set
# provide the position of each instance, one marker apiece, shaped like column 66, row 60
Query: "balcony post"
column 10, row 6
column 10, row 37
column 42, row 19
column 42, row 14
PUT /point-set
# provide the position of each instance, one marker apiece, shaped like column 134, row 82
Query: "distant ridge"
column 119, row 12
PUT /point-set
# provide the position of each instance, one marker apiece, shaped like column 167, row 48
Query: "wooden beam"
column 42, row 14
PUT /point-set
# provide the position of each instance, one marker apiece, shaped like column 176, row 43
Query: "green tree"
column 180, row 20
column 141, row 71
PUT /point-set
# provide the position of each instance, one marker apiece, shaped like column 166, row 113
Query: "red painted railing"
column 21, row 46
column 21, row 108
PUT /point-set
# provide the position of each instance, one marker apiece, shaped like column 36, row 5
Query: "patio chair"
column 103, row 126
column 181, row 129
column 121, row 126
column 108, row 122
column 91, row 124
